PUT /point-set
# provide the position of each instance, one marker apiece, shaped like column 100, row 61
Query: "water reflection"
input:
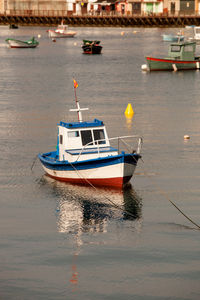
column 85, row 209
column 129, row 122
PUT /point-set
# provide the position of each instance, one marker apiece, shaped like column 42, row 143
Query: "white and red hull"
column 115, row 175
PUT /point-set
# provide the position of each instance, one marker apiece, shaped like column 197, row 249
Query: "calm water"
column 61, row 241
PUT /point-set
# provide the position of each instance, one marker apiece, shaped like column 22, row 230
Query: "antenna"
column 78, row 109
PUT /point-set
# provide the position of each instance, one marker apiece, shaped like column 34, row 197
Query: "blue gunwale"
column 50, row 161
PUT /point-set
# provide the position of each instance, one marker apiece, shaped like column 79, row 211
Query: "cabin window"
column 86, row 136
column 175, row 48
column 99, row 135
column 73, row 134
column 188, row 48
column 61, row 139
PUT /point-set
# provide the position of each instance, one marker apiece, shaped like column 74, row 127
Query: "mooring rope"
column 86, row 180
column 33, row 163
column 167, row 197
column 89, row 183
column 120, row 208
column 162, row 192
column 179, row 209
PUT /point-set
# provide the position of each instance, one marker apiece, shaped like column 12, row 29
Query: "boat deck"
column 91, row 150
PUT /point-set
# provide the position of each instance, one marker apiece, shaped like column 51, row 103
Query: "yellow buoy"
column 129, row 111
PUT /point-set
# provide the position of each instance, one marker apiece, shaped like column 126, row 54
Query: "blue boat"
column 85, row 155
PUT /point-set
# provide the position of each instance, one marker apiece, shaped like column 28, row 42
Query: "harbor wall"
column 33, row 18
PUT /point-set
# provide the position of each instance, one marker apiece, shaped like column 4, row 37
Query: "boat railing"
column 118, row 141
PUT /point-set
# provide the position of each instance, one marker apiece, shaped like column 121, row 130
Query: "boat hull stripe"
column 114, row 175
column 117, row 182
column 171, row 60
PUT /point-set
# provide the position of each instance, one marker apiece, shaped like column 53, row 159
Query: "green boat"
column 91, row 47
column 181, row 56
column 31, row 43
column 91, row 42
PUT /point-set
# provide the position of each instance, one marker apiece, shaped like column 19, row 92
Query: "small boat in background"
column 173, row 38
column 91, row 47
column 181, row 56
column 13, row 26
column 85, row 155
column 61, row 31
column 13, row 43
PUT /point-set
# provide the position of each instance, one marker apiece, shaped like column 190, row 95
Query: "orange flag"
column 75, row 84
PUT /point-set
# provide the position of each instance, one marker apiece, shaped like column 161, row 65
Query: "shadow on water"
column 83, row 208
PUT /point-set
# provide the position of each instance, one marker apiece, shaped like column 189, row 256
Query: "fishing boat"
column 173, row 38
column 85, row 155
column 62, row 31
column 91, row 47
column 13, row 43
column 181, row 56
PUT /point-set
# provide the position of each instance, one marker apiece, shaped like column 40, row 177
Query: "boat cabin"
column 197, row 33
column 182, row 51
column 61, row 28
column 83, row 140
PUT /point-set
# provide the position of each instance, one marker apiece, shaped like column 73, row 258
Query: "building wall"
column 1, row 6
column 36, row 5
column 127, row 7
column 187, row 6
column 134, row 6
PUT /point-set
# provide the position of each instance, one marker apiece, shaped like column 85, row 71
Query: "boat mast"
column 78, row 109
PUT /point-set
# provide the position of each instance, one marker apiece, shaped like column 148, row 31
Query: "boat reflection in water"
column 87, row 209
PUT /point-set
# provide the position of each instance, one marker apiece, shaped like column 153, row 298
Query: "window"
column 61, row 139
column 175, row 48
column 86, row 136
column 99, row 135
column 188, row 48
column 73, row 134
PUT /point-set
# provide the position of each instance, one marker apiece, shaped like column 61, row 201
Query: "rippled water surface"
column 60, row 241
